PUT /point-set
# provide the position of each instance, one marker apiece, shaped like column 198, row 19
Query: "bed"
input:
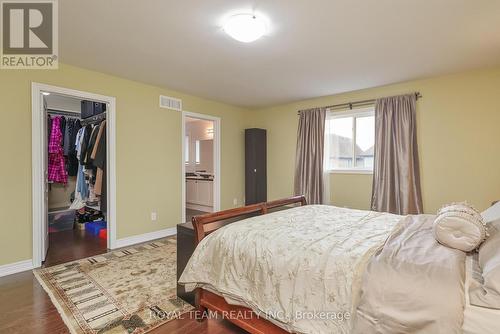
column 325, row 269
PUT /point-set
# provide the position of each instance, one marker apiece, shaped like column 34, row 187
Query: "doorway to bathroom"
column 201, row 161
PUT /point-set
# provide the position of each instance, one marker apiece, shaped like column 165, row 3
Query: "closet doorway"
column 200, row 165
column 73, row 174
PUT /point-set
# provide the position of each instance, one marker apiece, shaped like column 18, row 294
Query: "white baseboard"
column 17, row 267
column 137, row 239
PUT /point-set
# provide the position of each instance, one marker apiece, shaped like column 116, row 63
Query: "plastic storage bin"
column 103, row 234
column 94, row 227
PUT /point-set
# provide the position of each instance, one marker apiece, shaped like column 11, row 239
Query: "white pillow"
column 459, row 226
column 492, row 213
column 488, row 295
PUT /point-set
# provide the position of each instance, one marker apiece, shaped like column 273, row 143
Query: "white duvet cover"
column 301, row 267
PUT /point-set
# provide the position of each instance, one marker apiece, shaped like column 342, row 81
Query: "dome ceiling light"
column 245, row 28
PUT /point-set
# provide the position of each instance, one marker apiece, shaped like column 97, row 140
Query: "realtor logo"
column 29, row 34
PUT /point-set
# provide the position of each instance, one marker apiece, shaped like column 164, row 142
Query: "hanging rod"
column 93, row 119
column 63, row 113
column 351, row 105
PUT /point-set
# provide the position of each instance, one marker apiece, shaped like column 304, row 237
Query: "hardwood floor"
column 72, row 245
column 26, row 308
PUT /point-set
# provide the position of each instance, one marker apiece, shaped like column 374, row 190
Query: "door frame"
column 38, row 153
column 217, row 158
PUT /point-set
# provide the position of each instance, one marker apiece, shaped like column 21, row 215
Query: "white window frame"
column 355, row 113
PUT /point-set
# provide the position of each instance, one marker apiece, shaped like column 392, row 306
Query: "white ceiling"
column 314, row 48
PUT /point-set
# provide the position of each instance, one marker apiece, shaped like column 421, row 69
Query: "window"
column 197, row 151
column 350, row 141
column 186, row 148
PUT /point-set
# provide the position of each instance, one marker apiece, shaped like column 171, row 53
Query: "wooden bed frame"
column 206, row 300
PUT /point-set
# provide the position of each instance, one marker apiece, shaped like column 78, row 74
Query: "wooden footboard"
column 206, row 224
column 241, row 316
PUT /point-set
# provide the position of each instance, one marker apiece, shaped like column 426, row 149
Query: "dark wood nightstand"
column 185, row 248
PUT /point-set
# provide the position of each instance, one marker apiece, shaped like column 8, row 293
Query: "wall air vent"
column 172, row 103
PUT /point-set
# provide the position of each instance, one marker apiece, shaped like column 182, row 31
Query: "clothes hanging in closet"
column 69, row 128
column 84, row 144
column 81, row 191
column 90, row 146
column 81, row 184
column 90, row 151
column 98, row 142
column 73, row 126
column 49, row 128
column 91, row 170
column 78, row 142
column 66, row 137
column 99, row 160
column 63, row 129
column 56, row 165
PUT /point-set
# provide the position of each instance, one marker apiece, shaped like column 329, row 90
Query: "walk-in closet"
column 76, row 176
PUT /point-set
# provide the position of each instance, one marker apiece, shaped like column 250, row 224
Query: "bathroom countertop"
column 198, row 178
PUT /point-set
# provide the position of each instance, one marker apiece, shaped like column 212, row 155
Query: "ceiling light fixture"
column 245, row 28
column 46, row 93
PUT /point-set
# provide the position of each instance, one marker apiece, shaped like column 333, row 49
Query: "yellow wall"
column 148, row 153
column 458, row 135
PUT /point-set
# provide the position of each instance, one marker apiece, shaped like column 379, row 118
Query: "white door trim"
column 217, row 158
column 38, row 152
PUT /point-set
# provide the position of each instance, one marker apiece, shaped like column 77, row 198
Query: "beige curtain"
column 396, row 176
column 309, row 155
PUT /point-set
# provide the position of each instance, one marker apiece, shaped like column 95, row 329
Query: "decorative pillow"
column 492, row 213
column 459, row 226
column 488, row 295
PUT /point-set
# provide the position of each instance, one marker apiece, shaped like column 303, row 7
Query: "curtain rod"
column 350, row 105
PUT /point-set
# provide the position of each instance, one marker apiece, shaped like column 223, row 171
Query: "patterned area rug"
column 132, row 290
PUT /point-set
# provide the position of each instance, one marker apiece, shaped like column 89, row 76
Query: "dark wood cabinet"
column 255, row 166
